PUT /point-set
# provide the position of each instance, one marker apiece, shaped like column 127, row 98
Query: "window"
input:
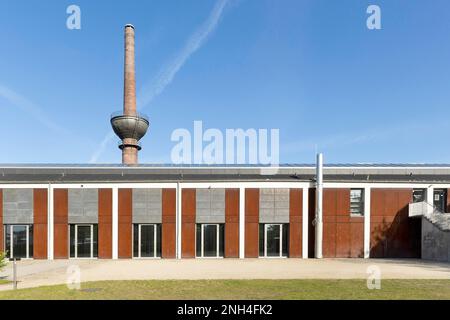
column 210, row 240
column 19, row 241
column 83, row 240
column 419, row 195
column 357, row 202
column 273, row 240
column 147, row 240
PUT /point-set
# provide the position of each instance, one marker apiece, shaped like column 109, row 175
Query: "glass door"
column 18, row 241
column 84, row 241
column 274, row 240
column 440, row 199
column 274, row 245
column 210, row 240
column 147, row 240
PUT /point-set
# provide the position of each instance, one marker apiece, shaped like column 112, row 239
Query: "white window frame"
column 266, row 226
column 202, row 241
column 425, row 193
column 362, row 206
column 11, row 240
column 155, row 239
column 76, row 240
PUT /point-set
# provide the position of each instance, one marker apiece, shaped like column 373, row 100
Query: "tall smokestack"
column 129, row 92
column 129, row 125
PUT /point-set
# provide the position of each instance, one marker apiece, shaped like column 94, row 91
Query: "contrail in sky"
column 29, row 108
column 165, row 76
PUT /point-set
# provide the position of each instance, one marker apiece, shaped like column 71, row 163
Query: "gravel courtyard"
column 33, row 273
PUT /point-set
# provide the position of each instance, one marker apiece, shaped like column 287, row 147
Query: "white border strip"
column 178, row 222
column 241, row 223
column 115, row 223
column 50, row 223
column 367, row 194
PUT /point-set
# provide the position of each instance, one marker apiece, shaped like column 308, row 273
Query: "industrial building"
column 148, row 211
column 144, row 211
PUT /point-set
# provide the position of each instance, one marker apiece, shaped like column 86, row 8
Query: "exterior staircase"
column 435, row 231
column 428, row 211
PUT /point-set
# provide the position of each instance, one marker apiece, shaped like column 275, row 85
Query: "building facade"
column 149, row 211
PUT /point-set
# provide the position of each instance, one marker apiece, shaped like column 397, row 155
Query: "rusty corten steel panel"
column 448, row 201
column 329, row 240
column 340, row 238
column 251, row 223
column 329, row 223
column 168, row 245
column 125, row 209
column 2, row 248
column 168, row 237
column 311, row 217
column 40, row 210
column 357, row 237
column 188, row 207
column 329, row 202
column 343, row 240
column 105, row 223
column 232, row 223
column 295, row 223
column 61, row 218
column 343, row 202
column 393, row 234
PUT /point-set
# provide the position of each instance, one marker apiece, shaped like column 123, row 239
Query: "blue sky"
column 310, row 68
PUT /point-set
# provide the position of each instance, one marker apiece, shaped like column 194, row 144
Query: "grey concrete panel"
column 17, row 206
column 83, row 206
column 147, row 205
column 435, row 242
column 274, row 205
column 210, row 205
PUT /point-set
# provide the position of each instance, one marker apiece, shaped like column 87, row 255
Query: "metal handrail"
column 438, row 218
column 137, row 115
column 137, row 143
column 435, row 209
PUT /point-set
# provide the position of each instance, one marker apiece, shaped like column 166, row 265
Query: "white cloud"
column 166, row 75
column 29, row 108
column 194, row 42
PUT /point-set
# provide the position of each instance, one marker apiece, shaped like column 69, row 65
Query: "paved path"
column 35, row 273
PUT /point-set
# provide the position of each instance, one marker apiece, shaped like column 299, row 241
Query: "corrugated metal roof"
column 224, row 166
column 86, row 173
